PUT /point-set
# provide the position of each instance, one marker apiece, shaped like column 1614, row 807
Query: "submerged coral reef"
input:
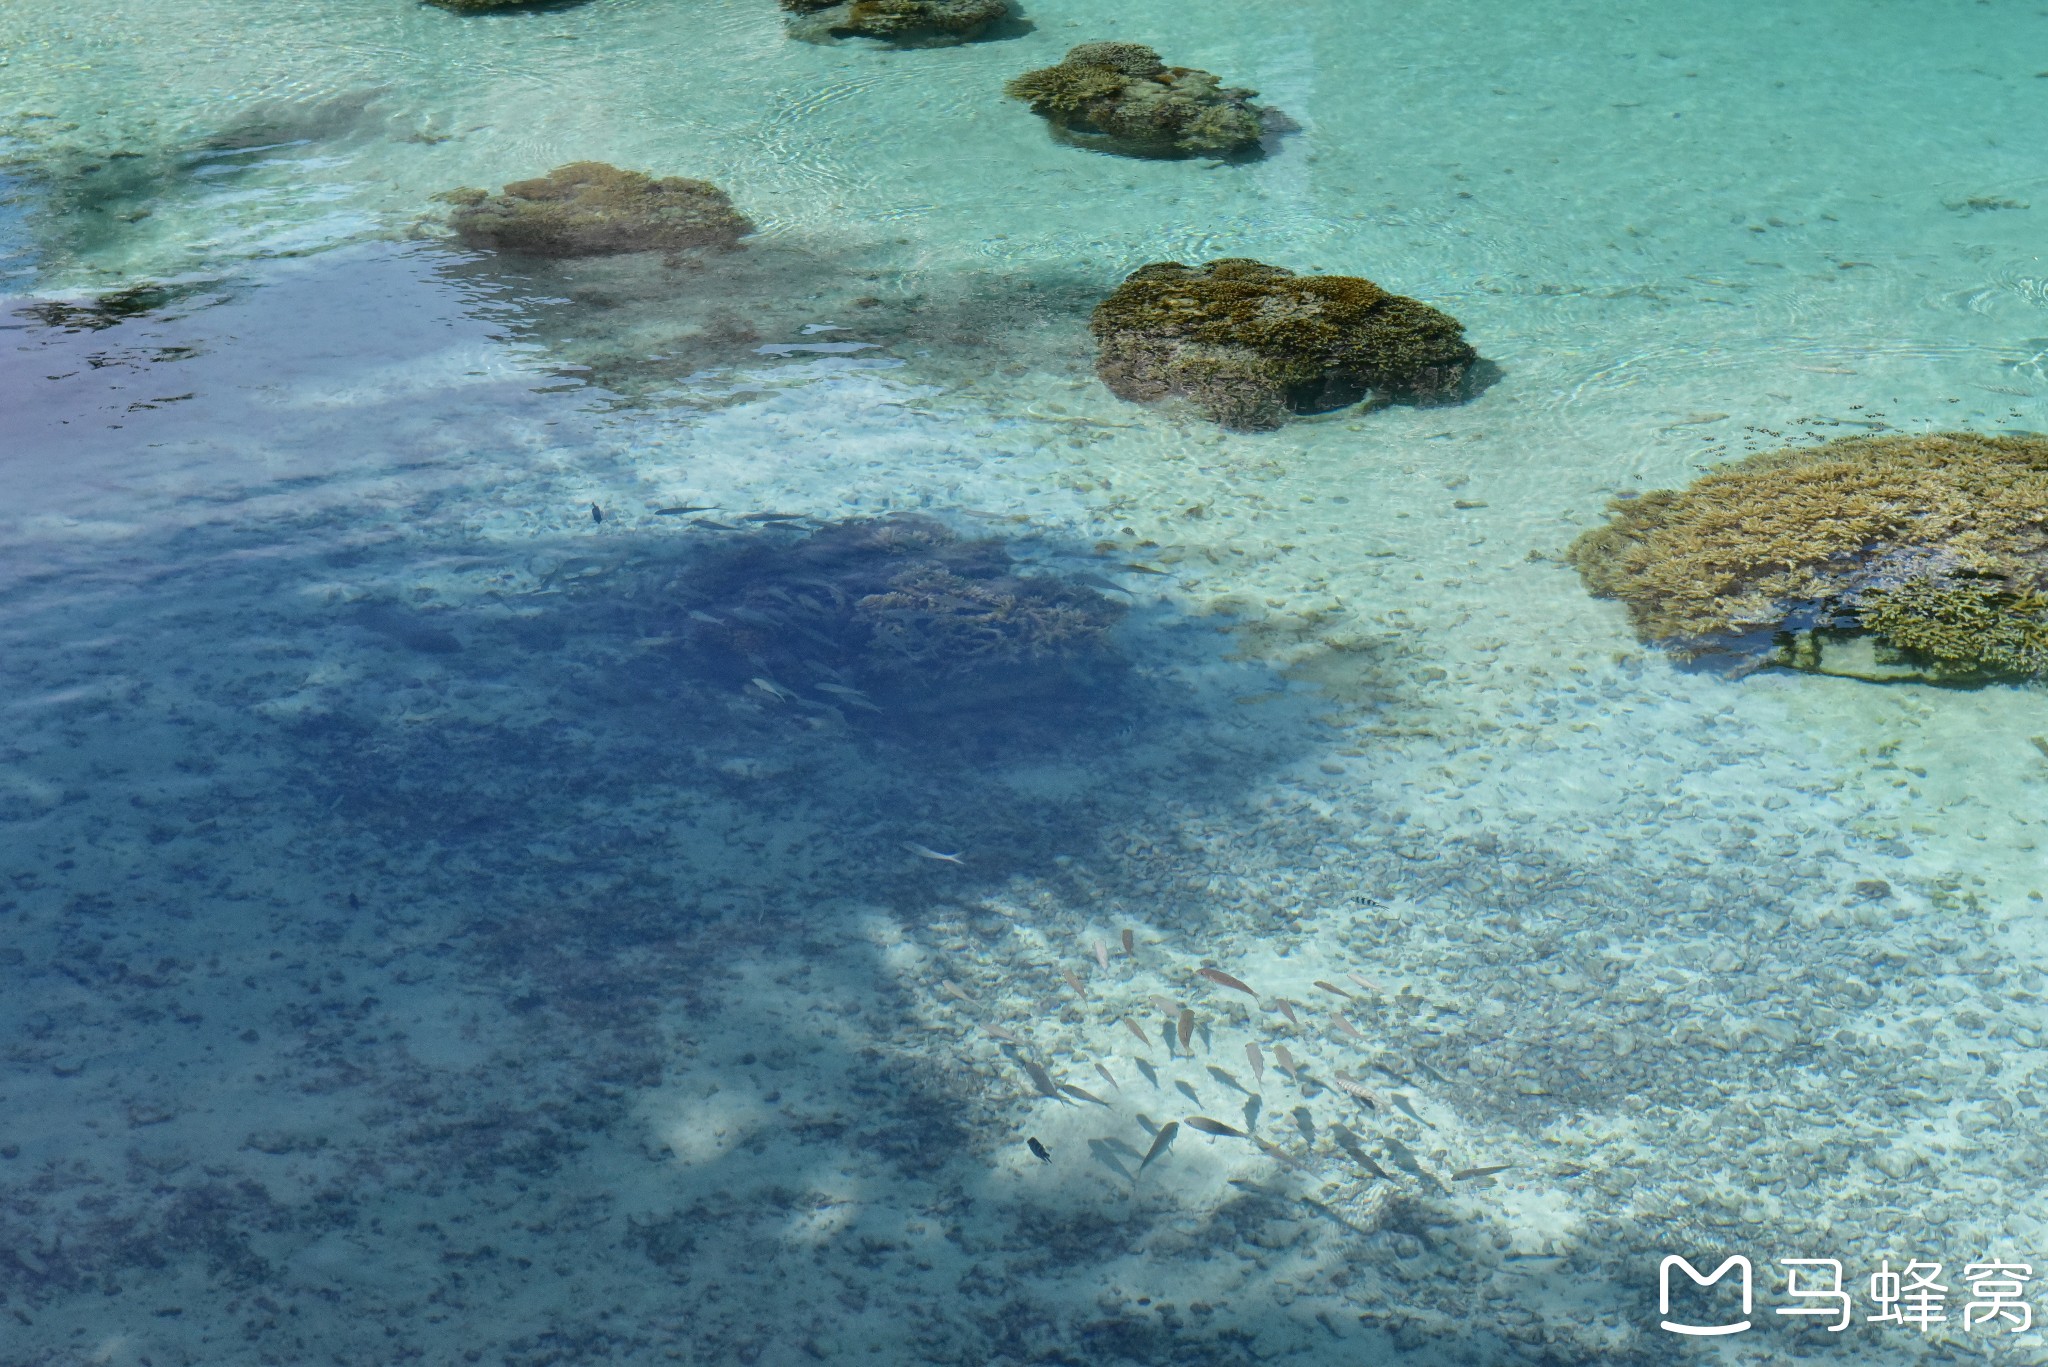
column 892, row 616
column 590, row 209
column 481, row 6
column 1249, row 343
column 899, row 20
column 1123, row 98
column 1915, row 556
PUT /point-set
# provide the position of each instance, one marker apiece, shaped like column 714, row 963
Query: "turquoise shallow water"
column 421, row 944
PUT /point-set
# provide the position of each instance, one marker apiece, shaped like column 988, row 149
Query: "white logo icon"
column 1664, row 1293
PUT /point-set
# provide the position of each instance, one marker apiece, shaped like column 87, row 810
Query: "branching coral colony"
column 1880, row 557
column 1122, row 97
column 1249, row 343
column 591, row 209
column 893, row 615
column 897, row 20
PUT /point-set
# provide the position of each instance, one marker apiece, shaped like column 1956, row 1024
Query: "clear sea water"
column 410, row 953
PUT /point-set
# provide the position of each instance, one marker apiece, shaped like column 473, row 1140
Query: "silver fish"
column 1352, row 1087
column 1401, row 1105
column 923, row 852
column 1258, row 1063
column 1160, row 1142
column 1042, row 1080
column 1349, row 1143
column 1215, row 1127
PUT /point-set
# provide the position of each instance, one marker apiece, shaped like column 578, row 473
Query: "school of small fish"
column 1103, row 991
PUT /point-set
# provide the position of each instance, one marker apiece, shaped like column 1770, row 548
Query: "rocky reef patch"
column 901, row 21
column 1121, row 97
column 1249, row 344
column 588, row 208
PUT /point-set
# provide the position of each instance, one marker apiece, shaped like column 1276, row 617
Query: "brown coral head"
column 588, row 208
column 1132, row 59
column 1248, row 343
column 1934, row 546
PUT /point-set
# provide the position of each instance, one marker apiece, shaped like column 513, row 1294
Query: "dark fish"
column 1332, row 987
column 714, row 526
column 1160, row 1142
column 1222, row 979
column 1145, row 569
column 1184, row 1028
column 1080, row 989
column 1170, row 1008
column 1071, row 1090
column 1258, row 1063
column 955, row 991
column 1038, row 1150
column 1286, row 1008
column 1130, row 945
column 1472, row 1174
column 1135, row 1029
column 681, row 509
column 1347, row 1027
column 596, row 513
column 772, row 517
column 1287, row 1064
column 1107, row 1078
column 1208, row 1126
column 1349, row 1143
column 1004, row 1035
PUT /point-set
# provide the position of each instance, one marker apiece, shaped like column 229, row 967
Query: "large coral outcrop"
column 1249, row 343
column 1123, row 98
column 591, row 209
column 1916, row 556
column 902, row 21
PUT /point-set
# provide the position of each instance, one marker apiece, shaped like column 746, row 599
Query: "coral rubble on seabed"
column 1933, row 546
column 1122, row 97
column 1247, row 344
